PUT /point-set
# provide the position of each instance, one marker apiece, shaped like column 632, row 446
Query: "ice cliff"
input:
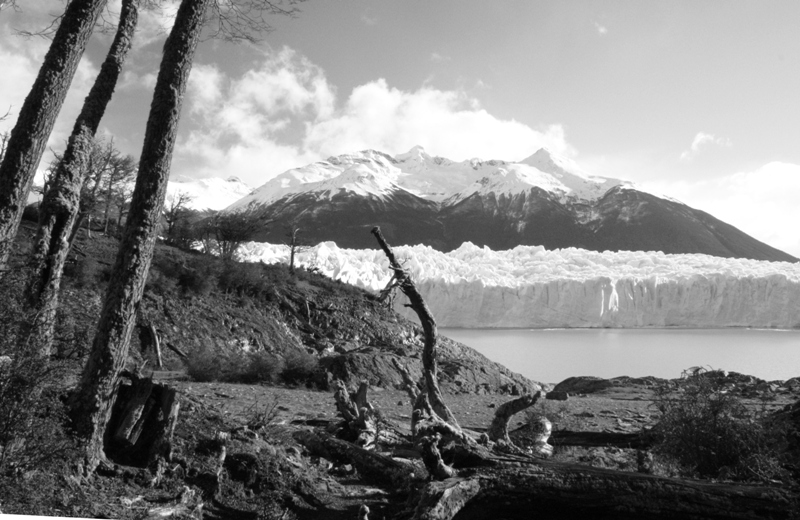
column 531, row 287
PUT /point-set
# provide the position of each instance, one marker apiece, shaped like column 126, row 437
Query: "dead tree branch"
column 429, row 364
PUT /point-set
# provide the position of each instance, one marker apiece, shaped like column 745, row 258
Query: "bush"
column 210, row 364
column 707, row 431
column 299, row 367
column 31, row 414
column 199, row 277
column 86, row 272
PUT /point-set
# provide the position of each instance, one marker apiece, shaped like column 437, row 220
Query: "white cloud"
column 20, row 60
column 439, row 58
column 367, row 19
column 703, row 139
column 242, row 125
column 761, row 202
column 447, row 123
column 601, row 29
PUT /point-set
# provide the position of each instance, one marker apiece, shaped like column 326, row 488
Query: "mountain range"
column 544, row 200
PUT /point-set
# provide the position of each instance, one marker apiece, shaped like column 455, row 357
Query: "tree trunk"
column 374, row 466
column 566, row 491
column 498, row 429
column 429, row 364
column 142, row 423
column 92, row 400
column 38, row 115
column 61, row 203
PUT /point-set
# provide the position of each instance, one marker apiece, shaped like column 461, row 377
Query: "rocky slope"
column 200, row 306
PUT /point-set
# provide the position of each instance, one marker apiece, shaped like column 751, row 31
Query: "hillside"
column 229, row 315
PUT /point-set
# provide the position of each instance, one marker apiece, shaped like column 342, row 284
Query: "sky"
column 695, row 100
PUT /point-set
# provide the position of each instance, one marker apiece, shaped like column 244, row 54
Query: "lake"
column 552, row 355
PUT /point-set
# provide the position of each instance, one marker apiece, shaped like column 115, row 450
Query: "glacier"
column 532, row 287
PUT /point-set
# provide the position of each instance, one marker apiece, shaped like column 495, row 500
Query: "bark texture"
column 38, row 115
column 142, row 423
column 374, row 466
column 360, row 422
column 429, row 364
column 91, row 403
column 557, row 490
column 498, row 430
column 61, row 203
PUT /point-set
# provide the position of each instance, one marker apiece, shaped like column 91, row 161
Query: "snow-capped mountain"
column 543, row 200
column 211, row 193
column 532, row 287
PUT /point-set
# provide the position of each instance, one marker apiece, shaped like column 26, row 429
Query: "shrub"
column 199, row 277
column 31, row 413
column 707, row 431
column 85, row 272
column 299, row 367
column 232, row 366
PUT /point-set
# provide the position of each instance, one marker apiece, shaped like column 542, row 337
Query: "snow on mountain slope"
column 432, row 178
column 375, row 169
column 529, row 286
column 210, row 193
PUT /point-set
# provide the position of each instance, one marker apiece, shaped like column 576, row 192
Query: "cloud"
column 703, row 139
column 447, row 123
column 601, row 30
column 20, row 60
column 283, row 113
column 760, row 202
column 369, row 20
column 439, row 58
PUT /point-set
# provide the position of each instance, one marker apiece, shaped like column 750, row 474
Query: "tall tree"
column 38, row 115
column 92, row 401
column 61, row 204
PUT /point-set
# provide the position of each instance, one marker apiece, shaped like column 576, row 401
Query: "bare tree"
column 176, row 213
column 122, row 171
column 91, row 403
column 231, row 230
column 295, row 245
column 38, row 115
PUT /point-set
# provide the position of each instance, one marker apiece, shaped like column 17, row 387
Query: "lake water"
column 552, row 355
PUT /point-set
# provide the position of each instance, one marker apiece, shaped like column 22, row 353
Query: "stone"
column 582, row 385
column 556, row 395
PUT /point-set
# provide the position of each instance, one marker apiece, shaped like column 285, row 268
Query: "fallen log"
column 360, row 421
column 371, row 465
column 557, row 490
column 601, row 439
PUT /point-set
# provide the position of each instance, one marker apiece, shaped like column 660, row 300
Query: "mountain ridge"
column 545, row 199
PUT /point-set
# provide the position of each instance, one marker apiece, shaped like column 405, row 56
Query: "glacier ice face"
column 531, row 287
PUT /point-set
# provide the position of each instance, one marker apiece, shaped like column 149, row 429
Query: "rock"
column 557, row 395
column 582, row 385
column 461, row 370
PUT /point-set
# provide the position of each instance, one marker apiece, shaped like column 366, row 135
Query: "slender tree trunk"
column 38, row 115
column 92, row 401
column 61, row 204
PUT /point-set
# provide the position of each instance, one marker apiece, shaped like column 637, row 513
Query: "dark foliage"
column 709, row 432
column 32, row 416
